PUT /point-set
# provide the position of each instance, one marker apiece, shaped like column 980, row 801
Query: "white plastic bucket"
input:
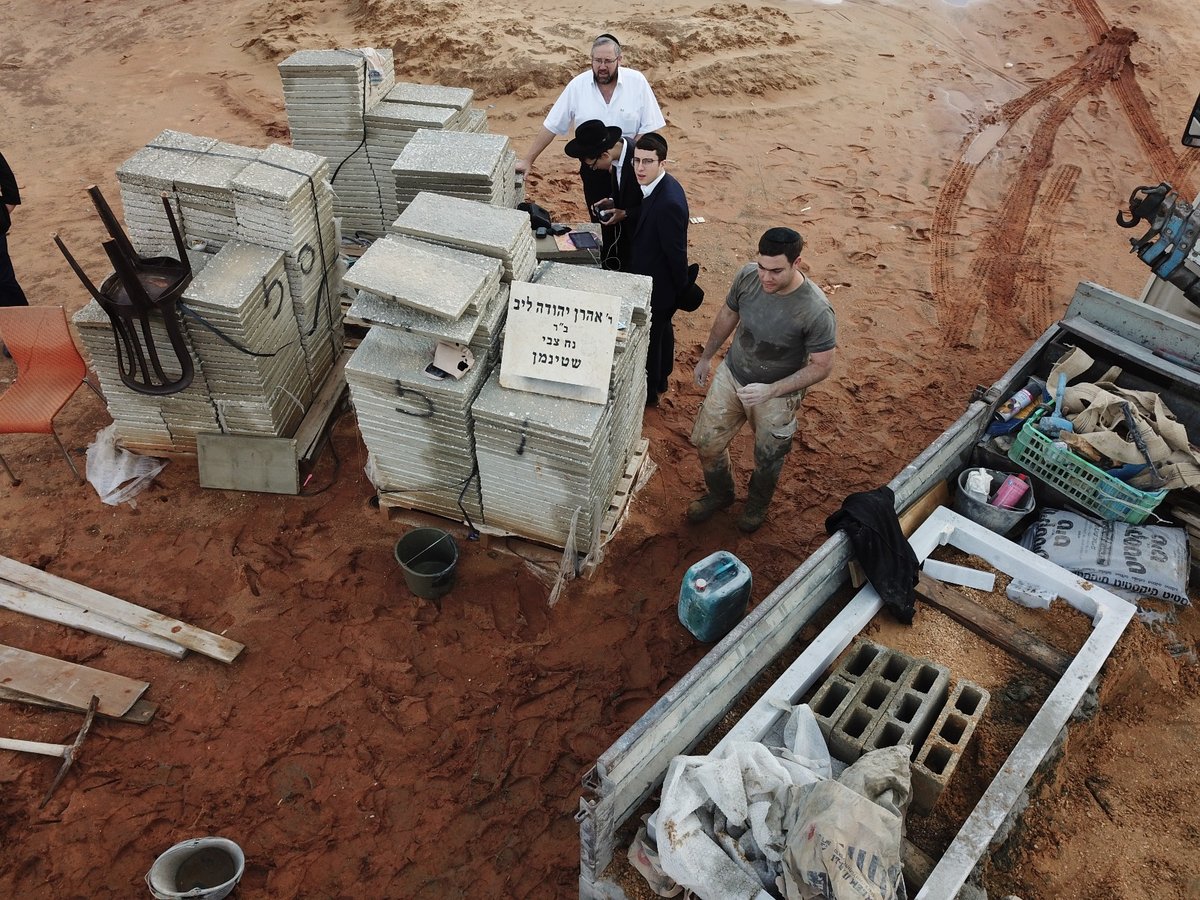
column 206, row 868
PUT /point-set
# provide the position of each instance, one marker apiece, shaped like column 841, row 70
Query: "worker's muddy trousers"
column 722, row 416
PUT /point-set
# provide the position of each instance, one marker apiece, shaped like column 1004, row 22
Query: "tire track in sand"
column 1035, row 255
column 995, row 289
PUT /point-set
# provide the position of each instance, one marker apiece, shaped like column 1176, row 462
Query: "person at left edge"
column 616, row 195
column 616, row 95
column 10, row 197
column 659, row 249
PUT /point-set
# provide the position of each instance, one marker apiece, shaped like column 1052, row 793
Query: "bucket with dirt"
column 206, row 868
column 428, row 557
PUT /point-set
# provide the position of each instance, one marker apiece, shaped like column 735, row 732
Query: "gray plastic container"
column 1001, row 521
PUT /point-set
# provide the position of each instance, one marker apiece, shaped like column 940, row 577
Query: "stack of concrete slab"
column 455, row 98
column 470, row 166
column 248, row 339
column 390, row 126
column 442, row 281
column 145, row 176
column 144, row 423
column 283, row 201
column 416, row 428
column 470, row 225
column 328, row 94
column 204, row 191
column 540, row 458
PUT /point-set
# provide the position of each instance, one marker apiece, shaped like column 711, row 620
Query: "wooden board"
column 141, row 713
column 316, row 420
column 204, row 642
column 67, row 683
column 618, row 508
column 994, row 628
column 51, row 609
column 918, row 512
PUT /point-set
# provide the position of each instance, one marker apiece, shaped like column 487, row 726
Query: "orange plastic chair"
column 49, row 371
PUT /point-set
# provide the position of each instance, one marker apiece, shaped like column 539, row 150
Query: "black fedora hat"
column 591, row 139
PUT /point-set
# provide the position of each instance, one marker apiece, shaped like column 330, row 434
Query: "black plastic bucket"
column 428, row 557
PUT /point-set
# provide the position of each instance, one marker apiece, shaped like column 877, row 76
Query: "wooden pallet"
column 618, row 509
column 395, row 509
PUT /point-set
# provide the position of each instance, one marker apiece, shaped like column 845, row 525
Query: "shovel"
column 1053, row 424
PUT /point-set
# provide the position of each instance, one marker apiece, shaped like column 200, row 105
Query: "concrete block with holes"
column 914, row 706
column 939, row 756
column 876, row 684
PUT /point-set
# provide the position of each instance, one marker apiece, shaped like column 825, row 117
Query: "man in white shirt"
column 615, row 95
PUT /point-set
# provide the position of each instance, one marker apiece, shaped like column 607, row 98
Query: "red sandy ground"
column 366, row 744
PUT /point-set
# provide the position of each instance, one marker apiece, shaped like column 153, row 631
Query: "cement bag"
column 118, row 475
column 844, row 837
column 1133, row 560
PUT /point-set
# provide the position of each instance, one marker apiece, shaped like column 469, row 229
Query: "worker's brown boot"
column 762, row 489
column 719, row 496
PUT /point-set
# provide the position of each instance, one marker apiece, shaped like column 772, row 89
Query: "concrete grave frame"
column 1109, row 614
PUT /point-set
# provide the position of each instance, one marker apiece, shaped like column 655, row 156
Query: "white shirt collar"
column 648, row 189
column 620, row 161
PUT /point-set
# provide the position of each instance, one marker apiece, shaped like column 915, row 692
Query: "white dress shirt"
column 633, row 108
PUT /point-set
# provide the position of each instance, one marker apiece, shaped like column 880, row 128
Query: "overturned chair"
column 140, row 296
column 49, row 371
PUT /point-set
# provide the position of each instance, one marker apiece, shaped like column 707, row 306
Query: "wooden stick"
column 138, row 617
column 68, row 683
column 994, row 628
column 51, row 609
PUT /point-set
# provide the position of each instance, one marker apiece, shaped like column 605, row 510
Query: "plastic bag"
column 118, row 475
column 1145, row 560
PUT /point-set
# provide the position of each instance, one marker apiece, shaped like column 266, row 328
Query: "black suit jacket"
column 660, row 242
column 8, row 194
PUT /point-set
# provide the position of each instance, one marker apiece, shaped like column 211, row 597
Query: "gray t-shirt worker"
column 784, row 343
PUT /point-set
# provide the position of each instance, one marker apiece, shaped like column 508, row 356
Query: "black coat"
column 8, row 194
column 660, row 242
column 600, row 185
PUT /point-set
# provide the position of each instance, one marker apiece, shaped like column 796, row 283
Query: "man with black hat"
column 612, row 193
column 10, row 197
column 785, row 343
column 614, row 94
column 659, row 249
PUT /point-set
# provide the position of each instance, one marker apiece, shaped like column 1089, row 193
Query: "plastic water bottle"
column 714, row 595
column 1010, row 493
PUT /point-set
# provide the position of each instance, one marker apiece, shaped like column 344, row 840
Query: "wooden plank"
column 994, row 628
column 918, row 512
column 141, row 713
column 204, row 642
column 315, row 421
column 67, row 683
column 618, row 509
column 38, row 605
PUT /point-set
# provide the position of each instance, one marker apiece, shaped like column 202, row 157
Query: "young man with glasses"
column 659, row 249
column 785, row 343
column 616, row 95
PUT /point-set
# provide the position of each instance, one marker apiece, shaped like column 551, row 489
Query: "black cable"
column 401, row 391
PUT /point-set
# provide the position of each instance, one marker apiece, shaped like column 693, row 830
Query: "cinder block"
column 938, row 758
column 876, row 687
column 913, row 708
column 830, row 701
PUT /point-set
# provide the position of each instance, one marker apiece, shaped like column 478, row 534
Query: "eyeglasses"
column 605, row 62
column 653, row 160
